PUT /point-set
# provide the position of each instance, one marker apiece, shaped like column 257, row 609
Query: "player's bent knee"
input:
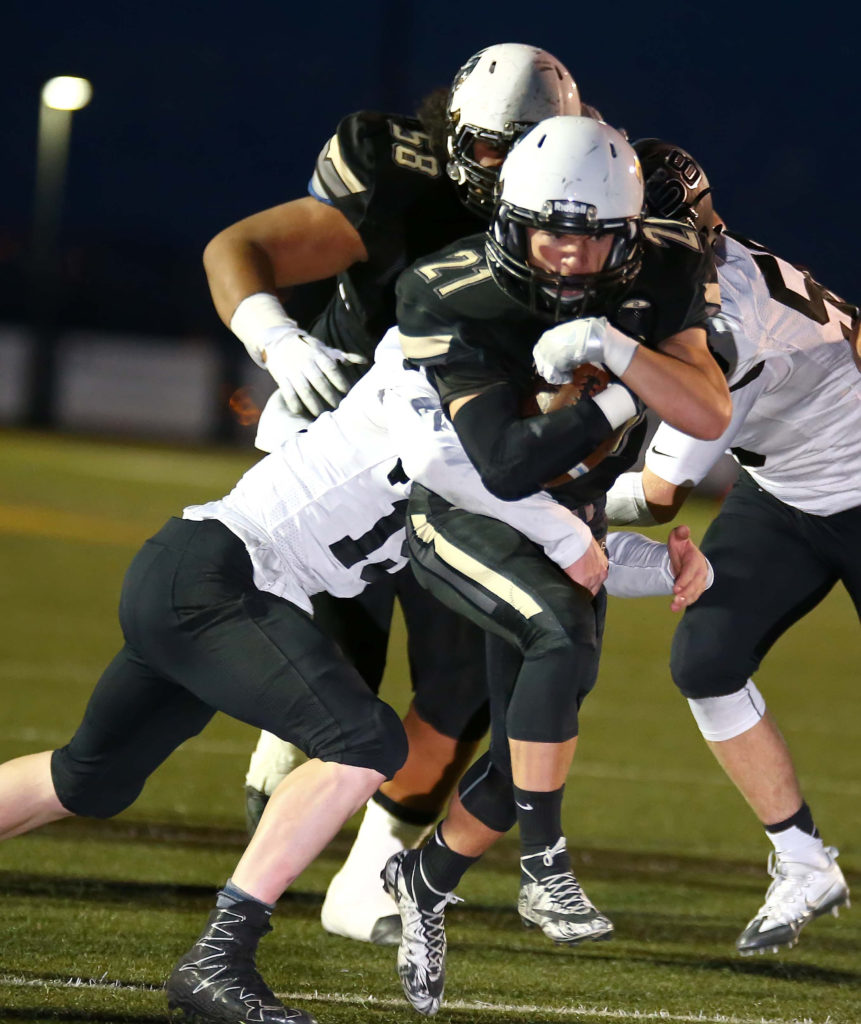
column 723, row 718
column 488, row 795
column 704, row 663
column 91, row 792
column 378, row 742
column 550, row 692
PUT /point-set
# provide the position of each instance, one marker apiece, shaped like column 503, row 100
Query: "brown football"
column 586, row 380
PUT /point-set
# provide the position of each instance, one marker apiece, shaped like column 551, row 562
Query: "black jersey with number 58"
column 380, row 171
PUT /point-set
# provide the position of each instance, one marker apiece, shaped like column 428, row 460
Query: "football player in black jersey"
column 386, row 190
column 792, row 521
column 568, row 245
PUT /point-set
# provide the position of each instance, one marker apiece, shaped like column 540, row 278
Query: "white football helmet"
column 499, row 93
column 567, row 175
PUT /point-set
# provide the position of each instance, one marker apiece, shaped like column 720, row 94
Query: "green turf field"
column 95, row 913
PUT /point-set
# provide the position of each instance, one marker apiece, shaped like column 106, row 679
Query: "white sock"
column 797, row 845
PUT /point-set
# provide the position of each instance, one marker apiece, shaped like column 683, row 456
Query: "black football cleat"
column 217, row 982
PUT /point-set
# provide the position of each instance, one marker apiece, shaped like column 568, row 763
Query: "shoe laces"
column 564, row 890
column 445, row 900
column 547, row 855
column 427, row 929
column 788, row 887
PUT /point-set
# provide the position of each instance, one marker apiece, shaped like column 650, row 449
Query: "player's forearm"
column 235, row 268
column 691, row 396
column 516, row 457
column 639, row 567
column 432, row 454
column 538, row 517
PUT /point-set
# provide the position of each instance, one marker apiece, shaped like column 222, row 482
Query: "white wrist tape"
column 722, row 718
column 626, row 502
column 617, row 403
column 618, row 349
column 253, row 318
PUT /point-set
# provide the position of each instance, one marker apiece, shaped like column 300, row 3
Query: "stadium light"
column 61, row 97
column 66, row 93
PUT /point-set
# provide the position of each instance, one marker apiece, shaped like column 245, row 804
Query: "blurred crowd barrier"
column 160, row 388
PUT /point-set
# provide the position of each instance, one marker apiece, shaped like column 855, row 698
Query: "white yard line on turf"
column 471, row 1006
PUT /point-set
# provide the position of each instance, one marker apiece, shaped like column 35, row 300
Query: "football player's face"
column 568, row 254
column 486, row 155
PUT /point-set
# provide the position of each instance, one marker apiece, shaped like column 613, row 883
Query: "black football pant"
column 544, row 631
column 773, row 564
column 200, row 638
column 445, row 651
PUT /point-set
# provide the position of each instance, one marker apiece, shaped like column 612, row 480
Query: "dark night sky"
column 205, row 112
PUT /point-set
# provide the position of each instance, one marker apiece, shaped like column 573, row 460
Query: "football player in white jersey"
column 792, row 522
column 215, row 611
column 386, row 189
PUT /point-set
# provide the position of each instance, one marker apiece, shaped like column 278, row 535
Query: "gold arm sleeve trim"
column 427, row 347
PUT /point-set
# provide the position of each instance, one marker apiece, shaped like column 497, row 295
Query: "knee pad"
column 89, row 792
column 545, row 705
column 722, row 718
column 704, row 663
column 488, row 795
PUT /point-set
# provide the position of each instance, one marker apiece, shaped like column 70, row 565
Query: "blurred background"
column 204, row 113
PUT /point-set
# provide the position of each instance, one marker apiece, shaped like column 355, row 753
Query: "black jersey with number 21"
column 470, row 335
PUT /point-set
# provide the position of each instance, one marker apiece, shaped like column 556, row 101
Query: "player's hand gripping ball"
column 586, row 380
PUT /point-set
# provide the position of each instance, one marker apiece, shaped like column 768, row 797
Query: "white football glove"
column 588, row 339
column 309, row 374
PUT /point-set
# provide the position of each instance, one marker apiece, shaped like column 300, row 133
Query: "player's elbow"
column 213, row 253
column 663, row 513
column 704, row 420
column 505, row 485
column 715, row 420
column 227, row 248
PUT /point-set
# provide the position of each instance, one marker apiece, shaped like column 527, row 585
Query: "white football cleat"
column 799, row 893
column 356, row 905
column 557, row 903
column 421, row 955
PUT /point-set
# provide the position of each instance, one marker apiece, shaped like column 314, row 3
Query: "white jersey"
column 325, row 511
column 796, row 424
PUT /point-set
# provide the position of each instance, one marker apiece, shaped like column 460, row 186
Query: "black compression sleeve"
column 516, row 456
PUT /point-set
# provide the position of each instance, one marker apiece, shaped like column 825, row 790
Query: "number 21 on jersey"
column 466, row 259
